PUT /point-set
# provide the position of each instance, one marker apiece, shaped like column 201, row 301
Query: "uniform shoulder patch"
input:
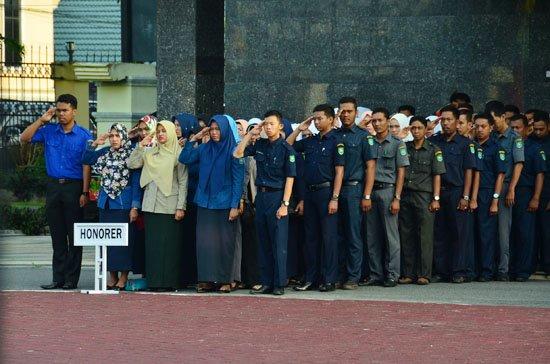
column 502, row 155
column 543, row 155
column 341, row 149
column 292, row 158
column 439, row 156
column 241, row 160
column 472, row 148
column 479, row 153
column 370, row 140
column 518, row 143
column 403, row 150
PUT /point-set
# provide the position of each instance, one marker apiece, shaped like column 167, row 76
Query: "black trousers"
column 63, row 210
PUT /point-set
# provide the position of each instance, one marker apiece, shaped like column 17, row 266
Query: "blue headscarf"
column 287, row 128
column 234, row 128
column 187, row 122
column 215, row 158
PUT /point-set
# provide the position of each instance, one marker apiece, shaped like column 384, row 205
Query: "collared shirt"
column 63, row 151
column 322, row 155
column 492, row 161
column 512, row 144
column 359, row 144
column 274, row 162
column 535, row 163
column 426, row 162
column 458, row 154
column 391, row 154
column 544, row 144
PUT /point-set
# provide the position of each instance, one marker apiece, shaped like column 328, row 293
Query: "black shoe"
column 438, row 279
column 52, row 285
column 69, row 286
column 308, row 286
column 372, row 282
column 521, row 279
column 390, row 282
column 458, row 279
column 327, row 287
column 263, row 290
column 278, row 291
column 501, row 277
column 468, row 279
column 485, row 279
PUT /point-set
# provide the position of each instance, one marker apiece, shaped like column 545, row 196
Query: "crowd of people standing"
column 374, row 198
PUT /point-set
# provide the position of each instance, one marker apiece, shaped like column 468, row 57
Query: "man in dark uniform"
column 324, row 170
column 68, row 190
column 419, row 205
column 527, row 201
column 541, row 123
column 512, row 144
column 450, row 235
column 382, row 220
column 356, row 190
column 492, row 166
column 276, row 169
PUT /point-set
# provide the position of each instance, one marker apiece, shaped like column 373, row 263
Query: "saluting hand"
column 181, row 142
column 433, row 124
column 201, row 134
column 306, row 123
column 257, row 129
column 48, row 115
column 147, row 140
column 404, row 132
column 365, row 120
column 133, row 132
column 101, row 140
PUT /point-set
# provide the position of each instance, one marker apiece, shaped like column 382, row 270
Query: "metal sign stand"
column 100, row 272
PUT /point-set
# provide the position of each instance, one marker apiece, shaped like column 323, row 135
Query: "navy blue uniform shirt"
column 274, row 162
column 512, row 144
column 63, row 151
column 544, row 144
column 321, row 156
column 359, row 145
column 458, row 155
column 493, row 162
column 535, row 162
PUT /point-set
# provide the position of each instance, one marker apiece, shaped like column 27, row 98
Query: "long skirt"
column 215, row 246
column 119, row 258
column 163, row 250
column 250, row 272
column 189, row 252
column 138, row 266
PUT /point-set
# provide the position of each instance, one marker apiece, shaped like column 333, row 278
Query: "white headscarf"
column 403, row 122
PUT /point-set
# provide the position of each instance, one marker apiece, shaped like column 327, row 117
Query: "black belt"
column 318, row 187
column 62, row 181
column 270, row 189
column 350, row 183
column 381, row 186
column 448, row 188
column 524, row 188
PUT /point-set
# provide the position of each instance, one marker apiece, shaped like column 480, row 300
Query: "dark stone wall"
column 292, row 55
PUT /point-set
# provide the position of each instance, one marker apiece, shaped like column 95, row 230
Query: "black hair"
column 511, row 108
column 452, row 109
column 460, row 96
column 541, row 116
column 68, row 99
column 468, row 113
column 383, row 110
column 530, row 111
column 275, row 113
column 408, row 108
column 420, row 119
column 487, row 116
column 466, row 106
column 520, row 117
column 348, row 100
column 326, row 108
column 495, row 107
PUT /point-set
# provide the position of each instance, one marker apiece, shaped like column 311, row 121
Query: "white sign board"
column 101, row 234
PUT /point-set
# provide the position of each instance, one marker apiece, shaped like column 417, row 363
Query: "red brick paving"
column 52, row 327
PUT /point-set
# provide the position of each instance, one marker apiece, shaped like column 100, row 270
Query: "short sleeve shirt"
column 359, row 145
column 512, row 144
column 274, row 162
column 544, row 144
column 321, row 155
column 492, row 161
column 425, row 163
column 459, row 154
column 63, row 151
column 535, row 163
column 391, row 154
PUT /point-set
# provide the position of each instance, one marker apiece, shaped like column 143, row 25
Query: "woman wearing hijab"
column 120, row 194
column 164, row 203
column 184, row 122
column 398, row 122
column 218, row 195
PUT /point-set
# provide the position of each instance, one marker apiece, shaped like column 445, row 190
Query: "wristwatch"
column 334, row 197
column 397, row 197
column 436, row 198
column 466, row 198
column 87, row 194
column 286, row 203
column 366, row 197
column 496, row 195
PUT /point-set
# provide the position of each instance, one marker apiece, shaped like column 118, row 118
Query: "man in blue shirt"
column 324, row 170
column 527, row 202
column 276, row 169
column 492, row 166
column 356, row 190
column 541, row 123
column 512, row 144
column 69, row 185
column 450, row 236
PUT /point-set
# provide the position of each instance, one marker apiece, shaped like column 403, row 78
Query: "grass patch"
column 22, row 204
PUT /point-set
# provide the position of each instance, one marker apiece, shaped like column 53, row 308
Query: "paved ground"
column 476, row 322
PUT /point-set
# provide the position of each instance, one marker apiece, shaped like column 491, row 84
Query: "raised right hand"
column 101, row 140
column 48, row 115
column 200, row 134
column 306, row 123
column 147, row 140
